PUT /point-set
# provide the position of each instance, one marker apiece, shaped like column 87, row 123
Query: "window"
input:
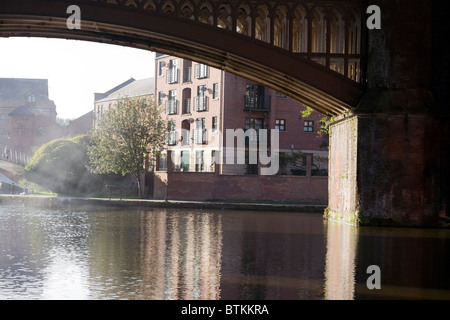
column 163, row 162
column 201, row 101
column 199, row 165
column 31, row 98
column 201, row 71
column 160, row 98
column 99, row 112
column 171, row 103
column 257, row 123
column 308, row 126
column 2, row 131
column 215, row 91
column 172, row 72
column 280, row 124
column 280, row 96
column 187, row 73
column 2, row 116
column 171, row 137
column 214, row 153
column 200, row 131
column 21, row 129
column 214, row 124
column 40, row 131
column 161, row 68
column 185, row 156
column 186, row 109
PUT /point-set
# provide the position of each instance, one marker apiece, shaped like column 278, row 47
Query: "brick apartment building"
column 28, row 118
column 201, row 103
column 27, row 115
column 128, row 89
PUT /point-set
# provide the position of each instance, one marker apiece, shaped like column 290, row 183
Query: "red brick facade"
column 197, row 96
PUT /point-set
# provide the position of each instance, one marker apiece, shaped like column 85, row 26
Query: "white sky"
column 74, row 69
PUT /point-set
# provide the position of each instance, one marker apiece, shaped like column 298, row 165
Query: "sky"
column 75, row 69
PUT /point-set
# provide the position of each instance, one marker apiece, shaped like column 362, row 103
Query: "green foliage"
column 60, row 166
column 324, row 126
column 128, row 138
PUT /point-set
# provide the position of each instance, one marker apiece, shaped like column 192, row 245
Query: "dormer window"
column 31, row 99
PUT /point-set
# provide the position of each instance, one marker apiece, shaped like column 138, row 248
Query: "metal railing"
column 14, row 156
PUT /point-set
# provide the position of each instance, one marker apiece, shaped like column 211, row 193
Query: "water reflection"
column 179, row 254
column 342, row 241
column 185, row 250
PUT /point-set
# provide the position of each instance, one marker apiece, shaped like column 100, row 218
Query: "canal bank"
column 80, row 203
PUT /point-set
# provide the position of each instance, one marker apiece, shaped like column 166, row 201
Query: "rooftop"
column 130, row 88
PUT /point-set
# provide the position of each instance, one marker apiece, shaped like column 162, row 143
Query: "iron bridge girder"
column 130, row 23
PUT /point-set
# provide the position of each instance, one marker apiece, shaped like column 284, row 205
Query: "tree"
column 60, row 166
column 324, row 126
column 127, row 140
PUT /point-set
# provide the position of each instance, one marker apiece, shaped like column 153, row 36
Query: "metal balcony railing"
column 172, row 75
column 258, row 103
column 172, row 106
column 201, row 103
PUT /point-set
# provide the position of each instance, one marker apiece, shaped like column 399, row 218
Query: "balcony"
column 200, row 136
column 172, row 106
column 172, row 75
column 171, row 138
column 257, row 103
column 201, row 71
column 201, row 103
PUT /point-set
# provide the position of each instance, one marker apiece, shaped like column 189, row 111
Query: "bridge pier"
column 386, row 169
column 389, row 161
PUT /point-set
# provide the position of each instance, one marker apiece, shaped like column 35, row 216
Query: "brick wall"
column 202, row 186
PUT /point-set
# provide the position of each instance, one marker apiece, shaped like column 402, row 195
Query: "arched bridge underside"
column 308, row 50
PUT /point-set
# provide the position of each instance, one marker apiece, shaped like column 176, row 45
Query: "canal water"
column 146, row 253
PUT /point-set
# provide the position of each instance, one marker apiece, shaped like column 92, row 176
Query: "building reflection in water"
column 181, row 255
column 191, row 254
column 272, row 255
